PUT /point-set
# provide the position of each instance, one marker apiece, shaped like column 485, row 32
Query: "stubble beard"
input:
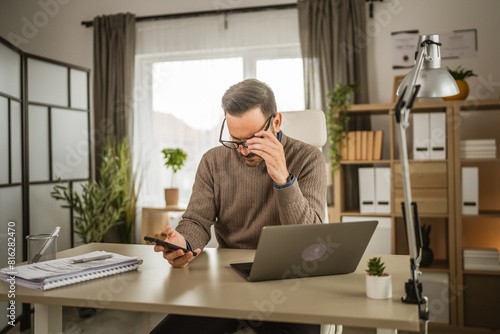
column 255, row 159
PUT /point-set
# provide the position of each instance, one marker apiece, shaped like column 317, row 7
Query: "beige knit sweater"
column 240, row 200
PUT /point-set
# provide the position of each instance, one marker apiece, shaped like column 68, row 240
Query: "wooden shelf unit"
column 441, row 179
column 479, row 289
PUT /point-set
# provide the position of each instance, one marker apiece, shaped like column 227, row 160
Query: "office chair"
column 308, row 126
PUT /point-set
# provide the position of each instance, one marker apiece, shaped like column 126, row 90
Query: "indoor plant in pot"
column 108, row 203
column 174, row 160
column 378, row 282
column 337, row 117
column 460, row 74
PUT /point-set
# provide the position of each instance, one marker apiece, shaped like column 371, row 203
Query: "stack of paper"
column 481, row 259
column 478, row 149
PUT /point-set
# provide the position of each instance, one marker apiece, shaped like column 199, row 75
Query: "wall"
column 430, row 16
column 52, row 28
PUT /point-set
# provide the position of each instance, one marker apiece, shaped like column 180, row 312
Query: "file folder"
column 470, row 190
column 366, row 190
column 381, row 241
column 382, row 190
column 437, row 127
column 421, row 136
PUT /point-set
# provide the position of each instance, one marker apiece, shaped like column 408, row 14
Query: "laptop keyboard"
column 243, row 267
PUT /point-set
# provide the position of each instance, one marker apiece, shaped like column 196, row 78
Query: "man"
column 256, row 178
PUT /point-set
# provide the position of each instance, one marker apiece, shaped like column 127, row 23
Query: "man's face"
column 245, row 127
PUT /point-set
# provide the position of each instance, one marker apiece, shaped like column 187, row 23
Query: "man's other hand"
column 177, row 258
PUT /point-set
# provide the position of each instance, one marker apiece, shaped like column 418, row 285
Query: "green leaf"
column 376, row 267
column 337, row 118
column 174, row 158
column 106, row 204
column 460, row 73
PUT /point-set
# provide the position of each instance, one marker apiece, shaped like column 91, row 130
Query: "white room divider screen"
column 44, row 139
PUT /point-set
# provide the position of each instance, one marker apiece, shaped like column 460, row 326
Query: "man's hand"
column 177, row 258
column 270, row 149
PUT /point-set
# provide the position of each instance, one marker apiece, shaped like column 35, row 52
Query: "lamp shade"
column 433, row 80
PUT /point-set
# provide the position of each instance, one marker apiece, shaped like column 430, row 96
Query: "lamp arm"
column 402, row 110
column 405, row 102
column 410, row 212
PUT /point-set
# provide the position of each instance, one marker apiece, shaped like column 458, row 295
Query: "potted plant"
column 460, row 74
column 174, row 160
column 378, row 282
column 107, row 204
column 339, row 101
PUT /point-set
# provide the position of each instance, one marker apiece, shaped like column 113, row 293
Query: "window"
column 186, row 103
column 184, row 66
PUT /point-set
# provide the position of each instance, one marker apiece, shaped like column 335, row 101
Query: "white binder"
column 470, row 190
column 421, row 137
column 381, row 241
column 382, row 190
column 437, row 127
column 366, row 190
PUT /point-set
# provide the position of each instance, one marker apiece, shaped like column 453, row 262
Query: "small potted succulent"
column 460, row 74
column 174, row 160
column 378, row 282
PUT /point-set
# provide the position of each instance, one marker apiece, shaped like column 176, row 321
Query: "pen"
column 88, row 259
column 45, row 245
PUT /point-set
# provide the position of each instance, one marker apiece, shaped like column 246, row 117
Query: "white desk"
column 209, row 287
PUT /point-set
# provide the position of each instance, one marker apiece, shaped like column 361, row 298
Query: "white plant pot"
column 379, row 287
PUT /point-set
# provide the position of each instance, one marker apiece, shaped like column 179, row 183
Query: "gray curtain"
column 333, row 42
column 114, row 51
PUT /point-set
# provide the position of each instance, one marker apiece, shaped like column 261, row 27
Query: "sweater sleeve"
column 304, row 201
column 200, row 214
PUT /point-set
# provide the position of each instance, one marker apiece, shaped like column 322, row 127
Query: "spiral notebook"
column 60, row 272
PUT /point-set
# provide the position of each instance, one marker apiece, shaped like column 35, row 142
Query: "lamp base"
column 413, row 291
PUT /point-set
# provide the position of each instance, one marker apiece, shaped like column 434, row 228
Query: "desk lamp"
column 426, row 79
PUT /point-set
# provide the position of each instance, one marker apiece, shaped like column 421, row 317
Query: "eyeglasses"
column 235, row 144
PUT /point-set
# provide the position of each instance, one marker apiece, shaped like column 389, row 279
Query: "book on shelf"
column 66, row 271
column 477, row 142
column 478, row 155
column 358, row 145
column 351, row 145
column 343, row 149
column 482, row 252
column 478, row 148
column 364, row 145
column 377, row 145
column 479, row 266
column 369, row 145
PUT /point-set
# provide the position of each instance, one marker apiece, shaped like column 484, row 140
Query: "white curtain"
column 211, row 47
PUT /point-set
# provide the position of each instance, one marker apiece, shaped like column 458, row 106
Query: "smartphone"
column 166, row 244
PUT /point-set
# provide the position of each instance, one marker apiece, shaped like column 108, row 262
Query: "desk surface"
column 210, row 287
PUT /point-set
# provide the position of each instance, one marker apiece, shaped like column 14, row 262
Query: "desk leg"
column 386, row 331
column 48, row 319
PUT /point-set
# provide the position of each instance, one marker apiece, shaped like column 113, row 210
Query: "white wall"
column 431, row 16
column 52, row 28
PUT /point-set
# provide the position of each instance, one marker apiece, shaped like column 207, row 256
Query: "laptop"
column 297, row 251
